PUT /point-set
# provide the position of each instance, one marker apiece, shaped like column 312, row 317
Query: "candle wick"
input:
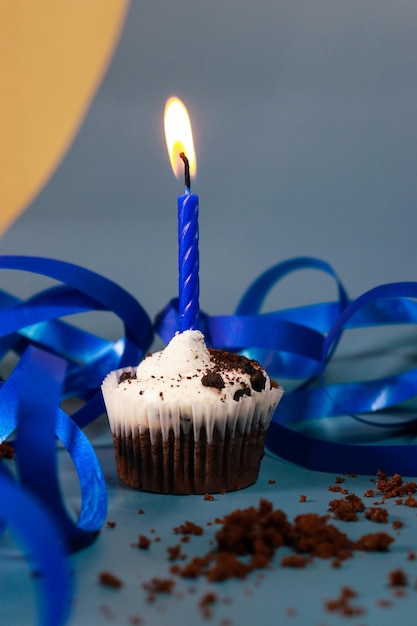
column 187, row 180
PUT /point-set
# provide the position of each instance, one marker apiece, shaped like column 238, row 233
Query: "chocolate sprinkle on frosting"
column 224, row 361
column 126, row 376
column 212, row 379
column 257, row 380
column 245, row 391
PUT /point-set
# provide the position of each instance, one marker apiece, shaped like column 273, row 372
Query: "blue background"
column 304, row 117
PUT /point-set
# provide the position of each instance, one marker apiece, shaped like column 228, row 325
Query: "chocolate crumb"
column 126, row 376
column 6, row 450
column 377, row 514
column 295, row 560
column 334, row 488
column 188, row 528
column 107, row 612
column 110, row 580
column 206, row 602
column 158, row 585
column 397, row 578
column 175, row 554
column 257, row 380
column 143, row 542
column 342, row 604
column 343, row 510
column 377, row 542
column 245, row 391
column 212, row 379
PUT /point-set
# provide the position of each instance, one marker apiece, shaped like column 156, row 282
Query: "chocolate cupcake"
column 190, row 419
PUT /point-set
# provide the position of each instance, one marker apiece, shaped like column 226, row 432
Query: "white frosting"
column 175, row 373
column 168, row 392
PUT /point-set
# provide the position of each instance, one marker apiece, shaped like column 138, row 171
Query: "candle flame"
column 179, row 136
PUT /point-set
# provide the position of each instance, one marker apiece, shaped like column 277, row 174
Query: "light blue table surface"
column 273, row 596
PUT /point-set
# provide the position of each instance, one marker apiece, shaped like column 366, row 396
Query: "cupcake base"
column 182, row 465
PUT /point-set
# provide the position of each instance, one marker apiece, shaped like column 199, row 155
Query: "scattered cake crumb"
column 248, row 539
column 343, row 510
column 377, row 514
column 303, row 498
column 6, row 450
column 291, row 612
column 334, row 488
column 175, row 554
column 295, row 560
column 208, row 497
column 111, row 524
column 158, row 585
column 143, row 542
column 395, row 487
column 188, row 528
column 107, row 612
column 110, row 580
column 397, row 578
column 376, row 542
column 206, row 602
column 343, row 605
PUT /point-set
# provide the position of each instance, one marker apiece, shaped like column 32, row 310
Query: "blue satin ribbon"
column 59, row 361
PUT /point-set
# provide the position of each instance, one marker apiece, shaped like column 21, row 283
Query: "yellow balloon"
column 53, row 54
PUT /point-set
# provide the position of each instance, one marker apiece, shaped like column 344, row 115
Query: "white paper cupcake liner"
column 131, row 415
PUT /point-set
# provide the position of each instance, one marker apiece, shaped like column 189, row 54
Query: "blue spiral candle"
column 180, row 146
column 188, row 258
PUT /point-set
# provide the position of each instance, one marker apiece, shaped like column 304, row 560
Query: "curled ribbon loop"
column 299, row 343
column 59, row 361
column 42, row 539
